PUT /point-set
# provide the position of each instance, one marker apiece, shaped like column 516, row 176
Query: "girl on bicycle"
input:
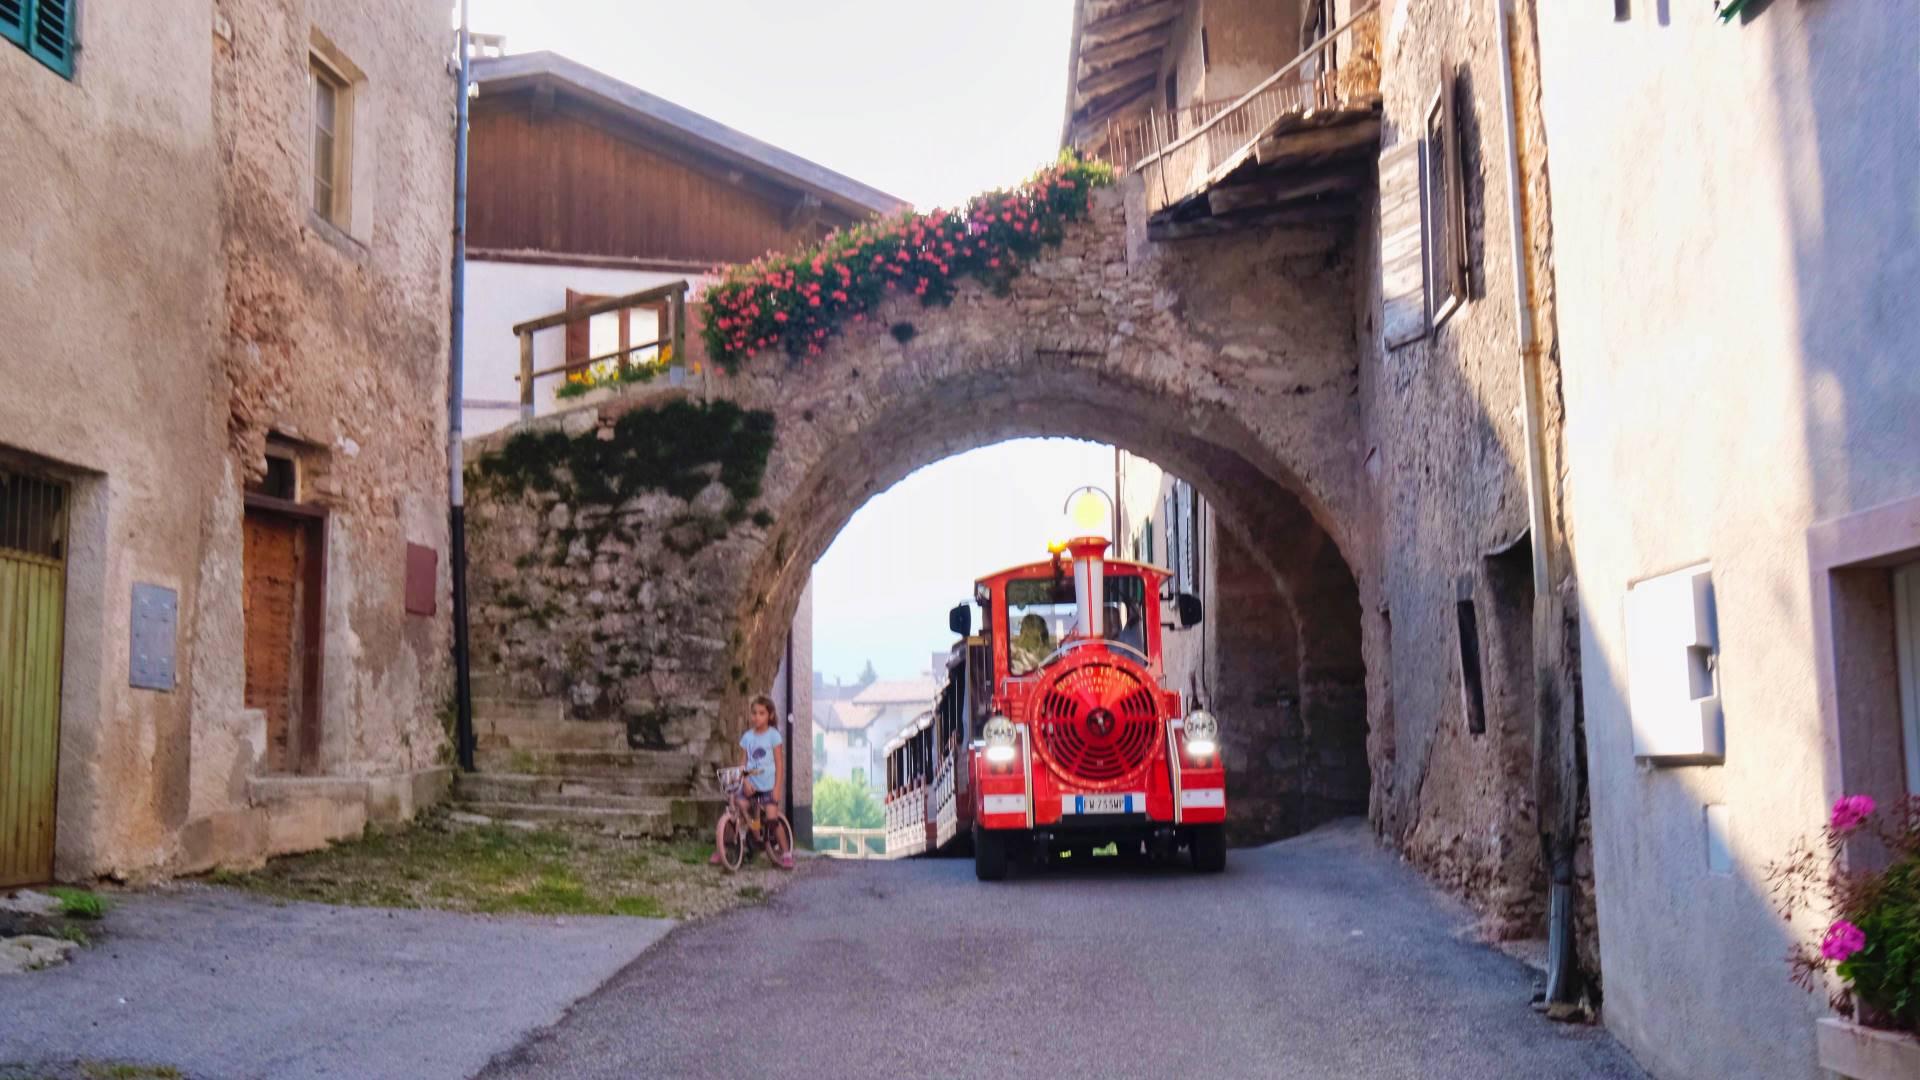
column 761, row 772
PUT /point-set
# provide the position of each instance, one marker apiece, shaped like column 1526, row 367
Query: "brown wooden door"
column 271, row 608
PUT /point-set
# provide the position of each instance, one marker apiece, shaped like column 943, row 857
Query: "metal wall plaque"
column 156, row 621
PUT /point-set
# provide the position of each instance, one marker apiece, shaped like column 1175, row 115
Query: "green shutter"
column 13, row 20
column 52, row 40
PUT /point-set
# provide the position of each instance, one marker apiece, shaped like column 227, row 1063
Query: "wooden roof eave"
column 684, row 127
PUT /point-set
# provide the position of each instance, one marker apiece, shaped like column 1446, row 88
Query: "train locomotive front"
column 1082, row 745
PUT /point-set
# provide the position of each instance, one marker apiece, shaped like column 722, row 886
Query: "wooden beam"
column 1102, row 107
column 1317, row 144
column 1270, row 191
column 611, row 303
column 1327, row 212
column 1106, row 56
column 1114, row 78
column 1127, row 23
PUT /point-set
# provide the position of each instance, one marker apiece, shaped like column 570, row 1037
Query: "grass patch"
column 496, row 869
column 79, row 903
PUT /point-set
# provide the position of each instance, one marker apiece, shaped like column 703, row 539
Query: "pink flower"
column 1850, row 812
column 1843, row 940
column 779, row 316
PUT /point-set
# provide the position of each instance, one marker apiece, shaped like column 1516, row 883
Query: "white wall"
column 500, row 294
column 1735, row 247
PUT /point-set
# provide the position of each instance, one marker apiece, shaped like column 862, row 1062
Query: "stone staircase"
column 531, row 763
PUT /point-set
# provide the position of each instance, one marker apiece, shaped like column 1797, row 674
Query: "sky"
column 929, row 102
column 883, row 590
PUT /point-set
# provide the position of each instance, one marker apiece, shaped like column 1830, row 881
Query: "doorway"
column 283, row 601
column 33, row 554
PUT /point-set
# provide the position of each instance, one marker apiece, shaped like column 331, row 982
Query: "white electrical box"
column 1672, row 682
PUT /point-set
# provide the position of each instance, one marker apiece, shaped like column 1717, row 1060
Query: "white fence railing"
column 838, row 843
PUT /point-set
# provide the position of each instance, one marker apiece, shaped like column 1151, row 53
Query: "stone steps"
column 534, row 764
column 585, row 790
column 653, row 764
column 489, row 709
column 644, row 822
column 516, row 733
column 670, row 816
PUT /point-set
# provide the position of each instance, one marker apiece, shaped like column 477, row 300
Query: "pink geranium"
column 1843, row 939
column 1850, row 812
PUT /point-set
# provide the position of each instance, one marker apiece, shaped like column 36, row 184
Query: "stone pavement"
column 1320, row 956
column 219, row 984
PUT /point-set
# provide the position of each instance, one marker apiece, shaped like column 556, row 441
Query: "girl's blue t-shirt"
column 760, row 746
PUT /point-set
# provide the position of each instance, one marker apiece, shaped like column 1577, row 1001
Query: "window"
column 1473, row 698
column 1446, row 210
column 332, row 109
column 1041, row 613
column 44, row 28
column 1206, row 54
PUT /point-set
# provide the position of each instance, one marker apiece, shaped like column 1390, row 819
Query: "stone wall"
column 180, row 307
column 1445, row 457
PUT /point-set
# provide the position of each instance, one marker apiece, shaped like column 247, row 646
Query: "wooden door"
column 32, row 602
column 271, row 605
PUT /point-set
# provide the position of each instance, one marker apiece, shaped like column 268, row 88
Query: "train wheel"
column 989, row 855
column 1208, row 847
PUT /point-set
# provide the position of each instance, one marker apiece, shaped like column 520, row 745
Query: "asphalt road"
column 1321, row 956
column 220, row 985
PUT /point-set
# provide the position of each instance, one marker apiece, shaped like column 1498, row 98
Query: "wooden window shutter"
column 13, row 21
column 1403, row 281
column 50, row 33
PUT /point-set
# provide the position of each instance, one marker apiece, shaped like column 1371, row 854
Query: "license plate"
column 1103, row 804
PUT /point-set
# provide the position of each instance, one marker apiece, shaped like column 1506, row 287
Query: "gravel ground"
column 218, row 984
column 1320, row 956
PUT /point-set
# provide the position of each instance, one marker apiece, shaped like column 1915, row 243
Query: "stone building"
column 224, row 434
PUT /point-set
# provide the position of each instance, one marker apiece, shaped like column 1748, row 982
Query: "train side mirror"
column 1190, row 610
column 960, row 620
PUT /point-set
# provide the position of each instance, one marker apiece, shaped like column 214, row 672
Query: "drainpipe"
column 1559, row 840
column 456, row 389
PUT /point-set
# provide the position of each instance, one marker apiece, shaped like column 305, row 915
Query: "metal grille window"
column 33, row 515
column 44, row 28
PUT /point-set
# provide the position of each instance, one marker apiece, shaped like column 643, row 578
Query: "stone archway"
column 1159, row 349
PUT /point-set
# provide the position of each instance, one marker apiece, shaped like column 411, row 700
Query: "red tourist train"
column 1055, row 733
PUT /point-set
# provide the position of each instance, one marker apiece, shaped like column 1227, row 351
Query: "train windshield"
column 1040, row 615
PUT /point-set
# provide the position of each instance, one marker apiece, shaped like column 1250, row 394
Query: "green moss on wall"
column 672, row 448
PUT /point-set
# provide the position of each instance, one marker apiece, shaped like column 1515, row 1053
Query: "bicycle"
column 767, row 831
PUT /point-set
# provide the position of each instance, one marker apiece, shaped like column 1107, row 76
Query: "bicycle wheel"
column 779, row 841
column 733, row 843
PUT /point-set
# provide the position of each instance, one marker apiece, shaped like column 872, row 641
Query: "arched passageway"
column 672, row 603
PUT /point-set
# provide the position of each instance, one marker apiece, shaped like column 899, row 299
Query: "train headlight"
column 999, row 736
column 1203, row 733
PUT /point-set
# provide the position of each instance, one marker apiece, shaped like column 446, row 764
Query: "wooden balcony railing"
column 1179, row 151
column 671, row 345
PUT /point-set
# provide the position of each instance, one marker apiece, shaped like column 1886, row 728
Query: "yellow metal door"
column 32, row 597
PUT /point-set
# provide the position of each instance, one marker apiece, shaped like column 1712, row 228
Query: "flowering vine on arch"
column 795, row 302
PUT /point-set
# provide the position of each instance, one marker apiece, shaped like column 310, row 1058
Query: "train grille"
column 1097, row 722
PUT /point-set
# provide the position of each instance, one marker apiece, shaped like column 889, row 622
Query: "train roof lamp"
column 1087, row 517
